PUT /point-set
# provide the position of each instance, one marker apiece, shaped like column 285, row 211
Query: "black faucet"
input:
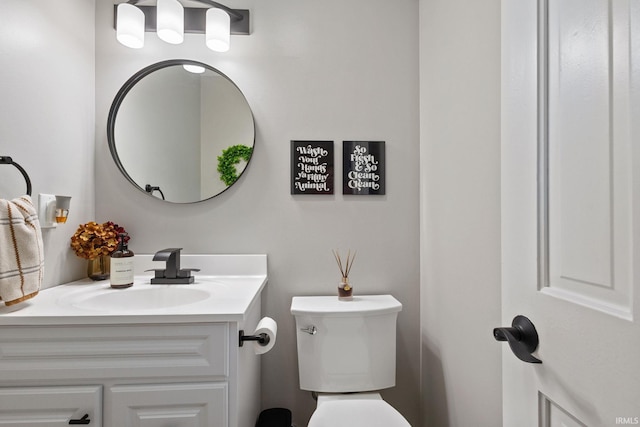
column 172, row 273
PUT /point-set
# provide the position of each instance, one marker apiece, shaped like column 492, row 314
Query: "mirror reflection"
column 181, row 131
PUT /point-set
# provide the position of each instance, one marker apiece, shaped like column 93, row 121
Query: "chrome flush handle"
column 311, row 330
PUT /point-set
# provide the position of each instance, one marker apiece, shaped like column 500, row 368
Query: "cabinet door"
column 50, row 406
column 175, row 405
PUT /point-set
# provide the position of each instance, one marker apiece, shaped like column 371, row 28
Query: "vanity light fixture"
column 130, row 29
column 218, row 30
column 170, row 19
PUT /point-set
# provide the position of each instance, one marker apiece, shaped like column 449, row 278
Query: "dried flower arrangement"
column 345, row 289
column 92, row 240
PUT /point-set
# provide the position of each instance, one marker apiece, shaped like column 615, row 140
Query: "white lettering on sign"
column 312, row 171
column 365, row 168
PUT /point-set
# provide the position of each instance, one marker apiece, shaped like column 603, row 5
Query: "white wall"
column 310, row 70
column 47, row 115
column 460, row 212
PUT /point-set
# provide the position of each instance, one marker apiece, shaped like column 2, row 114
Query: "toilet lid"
column 357, row 413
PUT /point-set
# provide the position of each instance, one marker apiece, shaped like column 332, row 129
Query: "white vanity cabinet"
column 181, row 375
column 147, row 356
column 50, row 406
column 176, row 405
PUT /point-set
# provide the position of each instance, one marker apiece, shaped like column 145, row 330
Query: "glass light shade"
column 170, row 21
column 130, row 26
column 218, row 30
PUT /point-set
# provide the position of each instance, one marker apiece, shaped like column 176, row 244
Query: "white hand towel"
column 21, row 253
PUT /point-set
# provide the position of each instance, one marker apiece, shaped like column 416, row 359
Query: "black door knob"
column 522, row 338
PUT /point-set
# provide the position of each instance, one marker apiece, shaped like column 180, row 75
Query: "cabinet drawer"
column 160, row 405
column 50, row 406
column 113, row 351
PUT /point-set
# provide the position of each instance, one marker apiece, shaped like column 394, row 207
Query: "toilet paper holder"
column 263, row 339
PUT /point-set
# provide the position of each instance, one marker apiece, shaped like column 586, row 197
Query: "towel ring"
column 6, row 160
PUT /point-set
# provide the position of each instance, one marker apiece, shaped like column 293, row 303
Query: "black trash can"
column 274, row 417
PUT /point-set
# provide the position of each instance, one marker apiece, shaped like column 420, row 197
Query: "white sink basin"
column 225, row 288
column 144, row 297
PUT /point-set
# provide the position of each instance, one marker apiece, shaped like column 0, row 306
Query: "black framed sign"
column 363, row 167
column 311, row 167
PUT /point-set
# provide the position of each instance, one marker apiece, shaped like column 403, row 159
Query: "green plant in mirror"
column 229, row 159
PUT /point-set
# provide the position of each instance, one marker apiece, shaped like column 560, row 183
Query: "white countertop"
column 224, row 297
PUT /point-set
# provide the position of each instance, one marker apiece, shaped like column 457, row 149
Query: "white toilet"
column 348, row 347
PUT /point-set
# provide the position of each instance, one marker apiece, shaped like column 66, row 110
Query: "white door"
column 571, row 209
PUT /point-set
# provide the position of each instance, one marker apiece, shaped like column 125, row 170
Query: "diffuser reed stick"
column 345, row 268
column 345, row 290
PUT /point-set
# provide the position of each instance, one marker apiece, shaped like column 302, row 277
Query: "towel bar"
column 6, row 160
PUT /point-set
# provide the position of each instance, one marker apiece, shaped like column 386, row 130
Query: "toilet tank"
column 346, row 346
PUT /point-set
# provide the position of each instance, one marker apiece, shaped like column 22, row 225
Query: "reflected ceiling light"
column 218, row 30
column 130, row 28
column 171, row 20
column 196, row 69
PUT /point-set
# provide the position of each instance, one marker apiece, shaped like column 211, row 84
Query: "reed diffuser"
column 345, row 290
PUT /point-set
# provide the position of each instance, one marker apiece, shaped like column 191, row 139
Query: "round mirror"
column 181, row 131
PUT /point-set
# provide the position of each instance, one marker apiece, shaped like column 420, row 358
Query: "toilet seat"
column 355, row 410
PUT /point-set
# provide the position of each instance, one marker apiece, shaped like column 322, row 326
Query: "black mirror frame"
column 122, row 93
